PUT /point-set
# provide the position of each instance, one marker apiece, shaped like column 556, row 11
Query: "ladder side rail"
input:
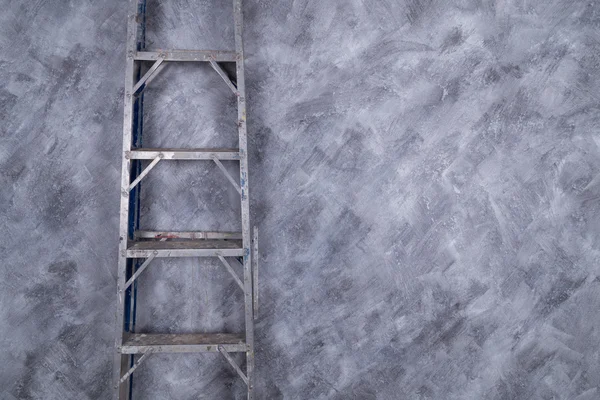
column 122, row 362
column 245, row 204
column 136, row 165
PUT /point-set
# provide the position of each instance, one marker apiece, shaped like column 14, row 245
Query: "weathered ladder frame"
column 132, row 174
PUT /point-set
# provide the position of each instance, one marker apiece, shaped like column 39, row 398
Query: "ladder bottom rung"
column 187, row 55
column 186, row 248
column 182, row 343
column 184, row 154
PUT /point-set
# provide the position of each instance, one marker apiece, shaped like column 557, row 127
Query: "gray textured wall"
column 425, row 174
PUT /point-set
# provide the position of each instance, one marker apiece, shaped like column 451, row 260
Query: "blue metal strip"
column 134, row 198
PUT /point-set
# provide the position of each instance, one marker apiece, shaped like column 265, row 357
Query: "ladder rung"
column 184, row 154
column 187, row 55
column 186, row 248
column 186, row 235
column 182, row 343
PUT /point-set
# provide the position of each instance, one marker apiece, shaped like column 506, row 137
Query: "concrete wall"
column 425, row 175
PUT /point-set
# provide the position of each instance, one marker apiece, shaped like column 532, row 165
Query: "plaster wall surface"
column 424, row 173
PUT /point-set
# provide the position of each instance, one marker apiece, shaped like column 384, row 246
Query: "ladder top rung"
column 182, row 343
column 186, row 248
column 141, row 234
column 185, row 154
column 187, row 55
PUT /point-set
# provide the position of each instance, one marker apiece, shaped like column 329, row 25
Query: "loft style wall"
column 425, row 176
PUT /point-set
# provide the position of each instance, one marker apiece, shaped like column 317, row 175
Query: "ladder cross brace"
column 227, row 175
column 135, row 366
column 145, row 172
column 233, row 364
column 140, row 270
column 148, row 76
column 232, row 272
column 225, row 77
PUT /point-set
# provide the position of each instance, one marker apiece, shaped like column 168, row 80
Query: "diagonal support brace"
column 140, row 270
column 225, row 77
column 145, row 172
column 134, row 367
column 148, row 76
column 227, row 175
column 154, row 75
column 232, row 272
column 233, row 364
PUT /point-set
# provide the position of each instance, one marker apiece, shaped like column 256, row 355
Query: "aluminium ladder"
column 137, row 248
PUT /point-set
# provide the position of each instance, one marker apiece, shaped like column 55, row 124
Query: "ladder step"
column 184, row 154
column 187, row 55
column 182, row 343
column 186, row 235
column 186, row 248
